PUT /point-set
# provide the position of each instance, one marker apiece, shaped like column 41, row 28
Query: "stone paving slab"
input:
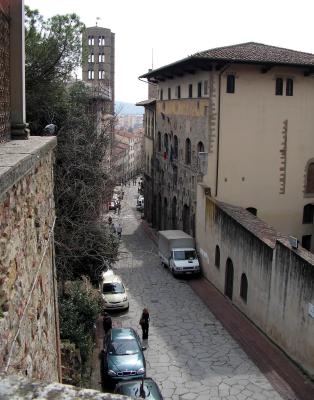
column 189, row 353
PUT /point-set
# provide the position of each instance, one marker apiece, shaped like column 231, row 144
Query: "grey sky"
column 176, row 29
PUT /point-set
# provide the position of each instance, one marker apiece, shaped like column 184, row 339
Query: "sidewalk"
column 281, row 372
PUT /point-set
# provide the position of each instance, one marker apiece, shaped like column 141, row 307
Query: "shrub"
column 79, row 306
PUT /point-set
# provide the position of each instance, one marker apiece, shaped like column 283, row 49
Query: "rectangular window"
column 199, row 89
column 169, row 93
column 279, row 86
column 90, row 74
column 101, row 74
column 91, row 58
column 161, row 94
column 178, row 92
column 289, row 87
column 190, row 90
column 206, row 88
column 230, row 83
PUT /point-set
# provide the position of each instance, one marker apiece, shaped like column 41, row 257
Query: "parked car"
column 140, row 388
column 113, row 292
column 122, row 357
column 140, row 203
column 112, row 205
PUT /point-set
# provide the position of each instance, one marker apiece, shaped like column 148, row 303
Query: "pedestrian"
column 109, row 221
column 107, row 322
column 144, row 322
column 119, row 207
column 119, row 230
column 112, row 228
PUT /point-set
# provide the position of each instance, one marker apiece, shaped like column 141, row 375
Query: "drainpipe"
column 218, row 126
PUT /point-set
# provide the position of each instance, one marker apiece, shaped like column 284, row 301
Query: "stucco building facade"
column 235, row 123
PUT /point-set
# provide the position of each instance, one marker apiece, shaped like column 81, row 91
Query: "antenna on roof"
column 97, row 19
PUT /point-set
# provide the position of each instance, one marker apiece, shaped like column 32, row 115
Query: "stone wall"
column 29, row 334
column 280, row 290
column 18, row 388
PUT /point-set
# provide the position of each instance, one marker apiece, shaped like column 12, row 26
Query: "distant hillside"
column 122, row 108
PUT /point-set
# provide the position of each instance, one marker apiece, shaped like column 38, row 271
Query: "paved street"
column 189, row 353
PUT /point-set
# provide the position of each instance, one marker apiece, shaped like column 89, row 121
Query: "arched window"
column 217, row 257
column 252, row 210
column 200, row 147
column 175, row 147
column 159, row 141
column 243, row 288
column 310, row 178
column 188, row 151
column 308, row 214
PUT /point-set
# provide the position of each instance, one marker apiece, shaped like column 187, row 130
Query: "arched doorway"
column 165, row 214
column 229, row 279
column 186, row 218
column 174, row 213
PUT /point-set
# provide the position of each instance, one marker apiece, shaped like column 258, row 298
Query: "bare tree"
column 84, row 245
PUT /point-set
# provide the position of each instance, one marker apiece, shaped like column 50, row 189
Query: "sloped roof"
column 259, row 53
column 250, row 52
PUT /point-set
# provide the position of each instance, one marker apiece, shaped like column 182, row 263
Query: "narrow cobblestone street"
column 189, row 353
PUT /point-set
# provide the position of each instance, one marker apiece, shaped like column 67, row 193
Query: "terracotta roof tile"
column 258, row 53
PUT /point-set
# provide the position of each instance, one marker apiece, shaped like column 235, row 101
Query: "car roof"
column 122, row 333
column 110, row 277
column 132, row 388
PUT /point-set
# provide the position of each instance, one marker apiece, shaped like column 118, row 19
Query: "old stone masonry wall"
column 29, row 337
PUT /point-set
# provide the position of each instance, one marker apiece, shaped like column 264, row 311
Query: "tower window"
column 101, row 40
column 101, row 74
column 91, row 40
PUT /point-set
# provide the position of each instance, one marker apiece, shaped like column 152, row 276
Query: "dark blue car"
column 122, row 358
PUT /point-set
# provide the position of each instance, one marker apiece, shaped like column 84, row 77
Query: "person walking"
column 119, row 207
column 112, row 228
column 144, row 322
column 119, row 230
column 107, row 322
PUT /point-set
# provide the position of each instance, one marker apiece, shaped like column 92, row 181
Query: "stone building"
column 149, row 157
column 98, row 68
column 29, row 332
column 235, row 123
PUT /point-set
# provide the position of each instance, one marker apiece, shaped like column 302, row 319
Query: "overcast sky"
column 175, row 29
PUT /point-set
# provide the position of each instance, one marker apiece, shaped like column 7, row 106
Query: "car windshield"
column 115, row 287
column 184, row 255
column 122, row 347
